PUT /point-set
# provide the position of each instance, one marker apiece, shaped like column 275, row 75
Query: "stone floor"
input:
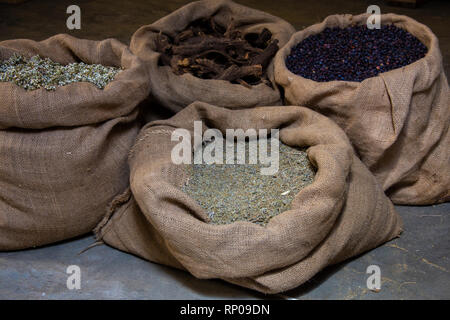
column 414, row 266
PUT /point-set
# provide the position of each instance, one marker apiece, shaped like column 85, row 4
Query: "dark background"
column 100, row 19
column 414, row 266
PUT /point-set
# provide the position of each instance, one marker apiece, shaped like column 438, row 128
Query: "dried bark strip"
column 211, row 51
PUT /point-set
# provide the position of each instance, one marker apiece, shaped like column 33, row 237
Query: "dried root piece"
column 210, row 65
column 210, row 51
column 162, row 43
column 183, row 36
column 265, row 57
column 234, row 72
column 263, row 38
column 209, row 43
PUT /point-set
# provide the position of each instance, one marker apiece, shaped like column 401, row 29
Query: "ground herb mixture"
column 36, row 72
column 208, row 50
column 354, row 53
column 239, row 192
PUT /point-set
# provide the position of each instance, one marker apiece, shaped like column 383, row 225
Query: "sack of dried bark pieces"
column 63, row 151
column 398, row 121
column 180, row 63
column 342, row 213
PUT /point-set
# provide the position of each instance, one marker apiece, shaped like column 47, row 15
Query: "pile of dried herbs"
column 208, row 50
column 239, row 192
column 35, row 72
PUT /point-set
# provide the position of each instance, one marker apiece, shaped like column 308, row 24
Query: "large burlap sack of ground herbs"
column 174, row 92
column 344, row 212
column 397, row 121
column 63, row 153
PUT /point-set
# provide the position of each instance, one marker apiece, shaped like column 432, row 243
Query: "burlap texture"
column 342, row 213
column 63, row 153
column 398, row 121
column 176, row 92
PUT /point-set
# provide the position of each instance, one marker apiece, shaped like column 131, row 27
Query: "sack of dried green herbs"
column 398, row 120
column 64, row 143
column 162, row 46
column 342, row 213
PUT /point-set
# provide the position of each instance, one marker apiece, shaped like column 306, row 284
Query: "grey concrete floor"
column 414, row 266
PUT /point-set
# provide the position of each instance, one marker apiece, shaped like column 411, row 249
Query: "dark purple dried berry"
column 354, row 53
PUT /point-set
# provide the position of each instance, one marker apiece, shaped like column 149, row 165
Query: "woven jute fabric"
column 63, row 153
column 343, row 213
column 175, row 92
column 398, row 121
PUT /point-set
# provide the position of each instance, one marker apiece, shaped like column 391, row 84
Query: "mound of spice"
column 36, row 72
column 354, row 53
column 239, row 192
column 208, row 50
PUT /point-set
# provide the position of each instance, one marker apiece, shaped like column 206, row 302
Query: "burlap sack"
column 176, row 92
column 63, row 153
column 341, row 214
column 398, row 121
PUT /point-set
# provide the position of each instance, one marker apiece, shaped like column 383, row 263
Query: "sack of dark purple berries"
column 266, row 230
column 217, row 52
column 68, row 118
column 386, row 88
